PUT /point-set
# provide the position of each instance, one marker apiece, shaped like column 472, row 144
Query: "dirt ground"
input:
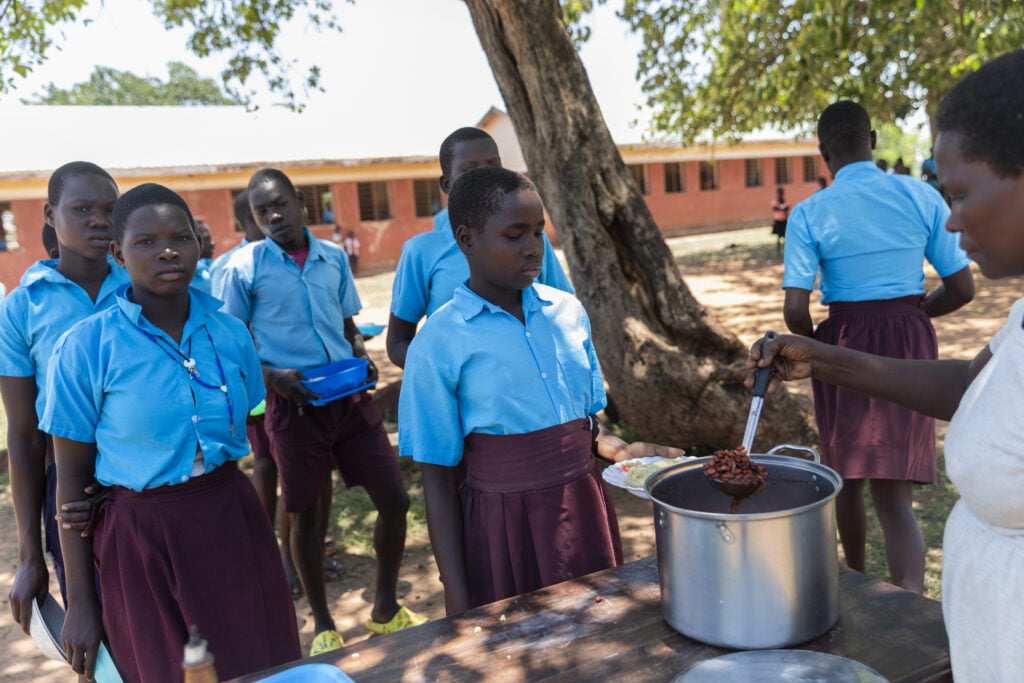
column 742, row 291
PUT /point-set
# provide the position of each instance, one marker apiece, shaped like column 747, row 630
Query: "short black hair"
column 447, row 152
column 147, row 194
column 72, row 169
column 478, row 194
column 272, row 174
column 986, row 109
column 844, row 126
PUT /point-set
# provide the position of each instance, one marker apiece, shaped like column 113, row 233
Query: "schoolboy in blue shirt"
column 180, row 538
column 504, row 380
column 431, row 265
column 54, row 294
column 298, row 297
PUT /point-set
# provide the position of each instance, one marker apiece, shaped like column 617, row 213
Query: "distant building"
column 384, row 189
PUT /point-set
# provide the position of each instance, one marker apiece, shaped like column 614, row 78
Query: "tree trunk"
column 674, row 374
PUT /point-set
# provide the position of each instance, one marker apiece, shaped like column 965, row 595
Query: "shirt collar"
column 200, row 305
column 857, row 168
column 46, row 271
column 470, row 304
column 315, row 249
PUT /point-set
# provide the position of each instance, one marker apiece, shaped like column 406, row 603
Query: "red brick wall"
column 381, row 241
column 28, row 218
column 732, row 203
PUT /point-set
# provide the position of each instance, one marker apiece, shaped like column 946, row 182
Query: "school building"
column 383, row 190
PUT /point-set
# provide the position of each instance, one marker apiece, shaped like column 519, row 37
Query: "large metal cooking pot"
column 766, row 577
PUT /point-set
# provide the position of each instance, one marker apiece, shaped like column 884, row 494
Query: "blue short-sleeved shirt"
column 868, row 234
column 217, row 267
column 38, row 312
column 201, row 281
column 297, row 315
column 112, row 385
column 474, row 368
column 431, row 267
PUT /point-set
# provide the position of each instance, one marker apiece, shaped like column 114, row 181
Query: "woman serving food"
column 980, row 155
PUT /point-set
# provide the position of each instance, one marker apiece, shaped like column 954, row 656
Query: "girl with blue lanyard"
column 151, row 396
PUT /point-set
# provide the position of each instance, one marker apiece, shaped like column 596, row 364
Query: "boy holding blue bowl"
column 292, row 290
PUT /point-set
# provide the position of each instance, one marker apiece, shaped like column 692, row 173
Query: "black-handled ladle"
column 762, row 376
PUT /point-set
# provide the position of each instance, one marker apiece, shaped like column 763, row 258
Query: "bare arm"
column 400, row 334
column 27, row 455
column 797, row 311
column 355, row 338
column 931, row 387
column 956, row 291
column 613, row 448
column 83, row 625
column 444, row 521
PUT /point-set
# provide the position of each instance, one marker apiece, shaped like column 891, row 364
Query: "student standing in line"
column 431, row 265
column 264, row 471
column 202, row 280
column 250, row 233
column 868, row 236
column 503, row 384
column 54, row 295
column 180, row 538
column 298, row 297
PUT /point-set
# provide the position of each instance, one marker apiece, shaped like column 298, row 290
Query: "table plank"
column 609, row 624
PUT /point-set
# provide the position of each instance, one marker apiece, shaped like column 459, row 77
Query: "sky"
column 394, row 59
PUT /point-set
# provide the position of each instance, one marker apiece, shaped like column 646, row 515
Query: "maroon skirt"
column 198, row 553
column 864, row 437
column 535, row 511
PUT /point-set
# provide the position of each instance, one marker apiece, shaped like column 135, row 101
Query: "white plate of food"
column 631, row 474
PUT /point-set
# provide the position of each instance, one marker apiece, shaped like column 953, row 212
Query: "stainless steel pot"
column 766, row 577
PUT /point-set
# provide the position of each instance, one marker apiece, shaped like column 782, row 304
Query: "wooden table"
column 609, row 626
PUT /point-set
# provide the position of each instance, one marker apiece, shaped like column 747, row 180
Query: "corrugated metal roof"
column 37, row 139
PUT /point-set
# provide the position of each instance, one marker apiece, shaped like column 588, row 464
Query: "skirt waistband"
column 900, row 304
column 523, row 462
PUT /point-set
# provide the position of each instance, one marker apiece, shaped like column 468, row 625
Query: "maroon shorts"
column 347, row 435
column 255, row 429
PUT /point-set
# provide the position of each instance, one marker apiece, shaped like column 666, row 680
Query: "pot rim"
column 790, row 461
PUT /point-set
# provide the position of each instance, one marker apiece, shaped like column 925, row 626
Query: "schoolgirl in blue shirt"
column 150, row 396
column 504, row 380
column 54, row 294
column 431, row 265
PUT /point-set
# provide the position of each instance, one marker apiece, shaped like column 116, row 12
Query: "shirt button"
column 528, row 334
column 195, row 418
column 184, row 479
column 544, row 375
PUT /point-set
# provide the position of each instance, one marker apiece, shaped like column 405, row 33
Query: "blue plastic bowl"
column 310, row 673
column 337, row 377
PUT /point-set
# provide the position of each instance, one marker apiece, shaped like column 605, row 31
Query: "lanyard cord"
column 189, row 364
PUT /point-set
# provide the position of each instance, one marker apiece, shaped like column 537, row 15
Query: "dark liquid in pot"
column 787, row 488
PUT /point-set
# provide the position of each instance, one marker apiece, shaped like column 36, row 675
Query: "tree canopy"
column 244, row 30
column 109, row 87
column 725, row 67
